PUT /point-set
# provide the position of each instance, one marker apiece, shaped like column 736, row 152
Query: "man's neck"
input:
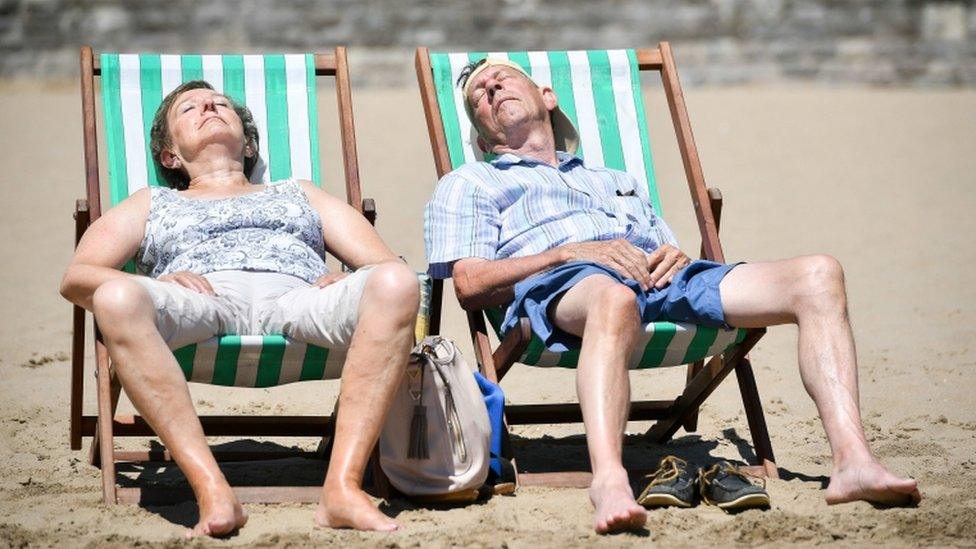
column 538, row 145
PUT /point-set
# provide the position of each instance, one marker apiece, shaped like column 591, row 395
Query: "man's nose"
column 493, row 88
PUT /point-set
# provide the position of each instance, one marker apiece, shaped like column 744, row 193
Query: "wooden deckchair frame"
column 702, row 378
column 106, row 425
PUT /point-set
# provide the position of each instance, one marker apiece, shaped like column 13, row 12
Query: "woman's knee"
column 119, row 299
column 395, row 284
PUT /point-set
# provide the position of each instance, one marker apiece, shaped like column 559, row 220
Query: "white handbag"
column 435, row 443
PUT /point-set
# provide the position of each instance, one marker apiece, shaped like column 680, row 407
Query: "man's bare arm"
column 481, row 283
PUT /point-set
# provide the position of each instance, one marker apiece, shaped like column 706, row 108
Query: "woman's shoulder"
column 287, row 185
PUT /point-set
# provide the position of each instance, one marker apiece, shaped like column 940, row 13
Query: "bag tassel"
column 418, row 434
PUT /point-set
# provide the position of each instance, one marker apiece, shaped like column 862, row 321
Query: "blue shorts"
column 692, row 297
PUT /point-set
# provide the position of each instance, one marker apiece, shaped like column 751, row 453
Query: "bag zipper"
column 453, row 421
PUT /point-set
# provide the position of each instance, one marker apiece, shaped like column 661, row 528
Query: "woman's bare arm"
column 347, row 233
column 110, row 241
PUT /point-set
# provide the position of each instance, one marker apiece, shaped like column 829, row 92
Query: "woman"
column 227, row 256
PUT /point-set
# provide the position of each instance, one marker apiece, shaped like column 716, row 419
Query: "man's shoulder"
column 470, row 176
column 474, row 171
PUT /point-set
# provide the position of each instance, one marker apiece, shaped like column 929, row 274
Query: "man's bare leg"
column 604, row 314
column 375, row 363
column 154, row 383
column 809, row 291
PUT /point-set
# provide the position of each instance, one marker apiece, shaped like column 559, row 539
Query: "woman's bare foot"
column 614, row 507
column 220, row 514
column 870, row 481
column 351, row 508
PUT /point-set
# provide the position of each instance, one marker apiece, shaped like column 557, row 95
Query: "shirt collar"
column 565, row 159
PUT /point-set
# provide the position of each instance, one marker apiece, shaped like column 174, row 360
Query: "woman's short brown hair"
column 159, row 137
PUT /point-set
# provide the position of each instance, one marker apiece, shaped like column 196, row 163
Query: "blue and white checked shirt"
column 515, row 207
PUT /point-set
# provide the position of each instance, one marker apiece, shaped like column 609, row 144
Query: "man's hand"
column 329, row 278
column 620, row 255
column 189, row 280
column 665, row 262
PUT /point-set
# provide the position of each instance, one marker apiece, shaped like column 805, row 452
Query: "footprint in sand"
column 38, row 361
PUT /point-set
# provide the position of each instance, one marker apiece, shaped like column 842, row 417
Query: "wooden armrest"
column 512, row 347
column 715, row 203
column 369, row 210
column 82, row 216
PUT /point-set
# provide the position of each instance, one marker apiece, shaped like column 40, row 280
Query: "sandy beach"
column 881, row 179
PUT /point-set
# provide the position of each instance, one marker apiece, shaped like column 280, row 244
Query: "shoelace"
column 668, row 470
column 706, row 477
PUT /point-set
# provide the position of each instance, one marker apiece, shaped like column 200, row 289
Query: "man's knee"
column 614, row 303
column 396, row 285
column 820, row 282
column 120, row 298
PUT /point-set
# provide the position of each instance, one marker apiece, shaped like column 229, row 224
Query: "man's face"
column 503, row 101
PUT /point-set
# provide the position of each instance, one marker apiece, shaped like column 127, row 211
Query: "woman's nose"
column 209, row 105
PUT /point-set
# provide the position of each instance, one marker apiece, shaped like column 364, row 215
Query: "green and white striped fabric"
column 599, row 90
column 257, row 361
column 278, row 89
column 280, row 92
column 660, row 344
column 267, row 361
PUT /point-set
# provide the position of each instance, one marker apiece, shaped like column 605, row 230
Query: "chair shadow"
column 171, row 497
column 640, row 456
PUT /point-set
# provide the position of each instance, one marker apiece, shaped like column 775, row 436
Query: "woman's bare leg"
column 374, row 366
column 154, row 383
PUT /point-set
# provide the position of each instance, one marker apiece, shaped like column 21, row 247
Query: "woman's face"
column 202, row 117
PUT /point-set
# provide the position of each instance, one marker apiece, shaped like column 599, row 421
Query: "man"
column 608, row 263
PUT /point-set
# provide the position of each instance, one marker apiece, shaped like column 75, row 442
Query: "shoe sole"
column 747, row 501
column 663, row 500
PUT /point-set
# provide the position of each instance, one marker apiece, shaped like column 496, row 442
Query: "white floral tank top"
column 274, row 230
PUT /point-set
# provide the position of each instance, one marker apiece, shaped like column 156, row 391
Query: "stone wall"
column 873, row 42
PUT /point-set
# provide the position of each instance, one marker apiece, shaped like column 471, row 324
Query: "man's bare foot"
column 351, row 508
column 870, row 481
column 614, row 507
column 220, row 514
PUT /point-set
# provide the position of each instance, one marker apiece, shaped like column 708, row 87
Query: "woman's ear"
column 250, row 150
column 482, row 144
column 169, row 160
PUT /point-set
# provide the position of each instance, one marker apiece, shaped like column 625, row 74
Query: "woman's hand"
column 189, row 280
column 329, row 278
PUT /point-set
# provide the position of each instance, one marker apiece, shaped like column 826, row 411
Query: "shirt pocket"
column 630, row 202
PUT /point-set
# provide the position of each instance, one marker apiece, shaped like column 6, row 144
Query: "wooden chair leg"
column 77, row 375
column 701, row 387
column 756, row 419
column 381, row 483
column 105, row 453
column 115, row 392
column 691, row 423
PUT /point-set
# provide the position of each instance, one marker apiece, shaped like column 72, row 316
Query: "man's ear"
column 549, row 98
column 169, row 160
column 483, row 145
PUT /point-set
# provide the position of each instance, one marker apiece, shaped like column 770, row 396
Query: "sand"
column 881, row 179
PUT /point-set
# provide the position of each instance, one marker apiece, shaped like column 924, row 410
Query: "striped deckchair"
column 280, row 91
column 600, row 91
